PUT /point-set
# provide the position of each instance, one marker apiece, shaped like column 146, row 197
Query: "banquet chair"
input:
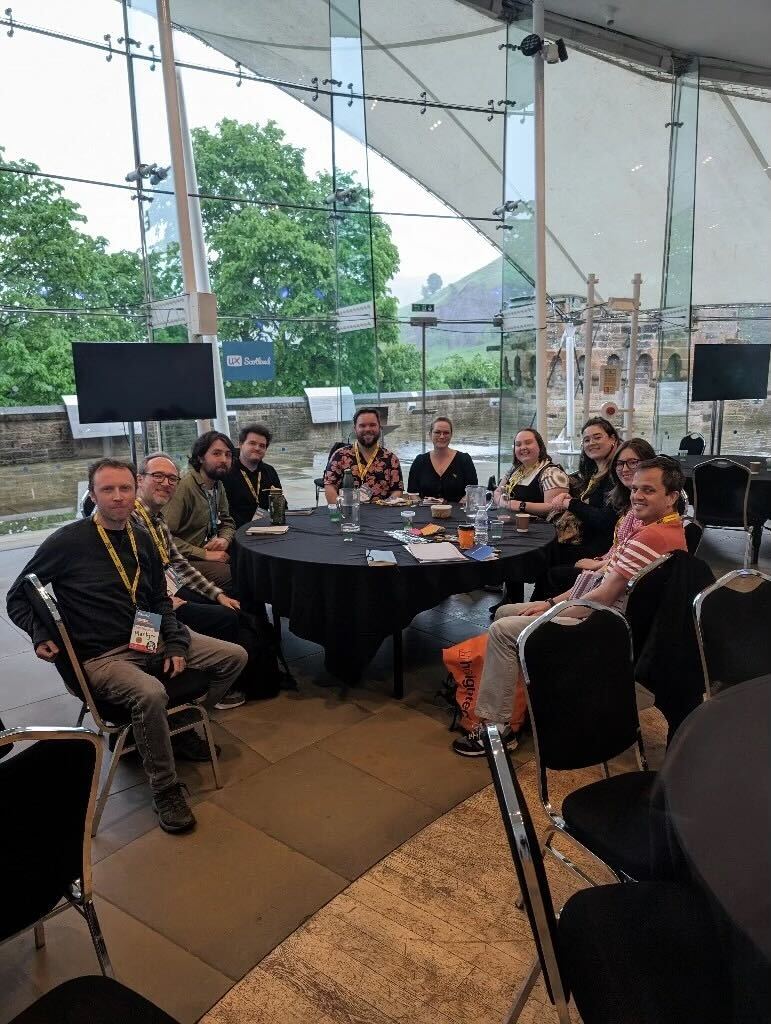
column 634, row 954
column 318, row 482
column 579, row 683
column 47, row 796
column 186, row 691
column 92, row 1000
column 733, row 628
column 693, row 534
column 721, row 499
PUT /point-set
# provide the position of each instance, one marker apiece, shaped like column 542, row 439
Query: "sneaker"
column 189, row 746
column 174, row 814
column 233, row 699
column 472, row 746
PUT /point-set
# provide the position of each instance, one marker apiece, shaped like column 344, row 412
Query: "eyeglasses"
column 628, row 463
column 159, row 478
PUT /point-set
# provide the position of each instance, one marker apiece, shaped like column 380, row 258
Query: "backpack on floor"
column 264, row 675
column 464, row 663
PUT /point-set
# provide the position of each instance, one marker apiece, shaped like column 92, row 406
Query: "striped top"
column 631, row 556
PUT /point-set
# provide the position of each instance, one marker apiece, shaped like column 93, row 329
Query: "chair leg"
column 40, row 935
column 116, row 756
column 212, row 748
column 100, row 947
column 523, row 993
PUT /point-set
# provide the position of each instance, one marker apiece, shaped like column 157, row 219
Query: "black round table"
column 322, row 584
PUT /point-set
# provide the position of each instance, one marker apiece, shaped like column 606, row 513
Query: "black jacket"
column 240, row 498
column 667, row 660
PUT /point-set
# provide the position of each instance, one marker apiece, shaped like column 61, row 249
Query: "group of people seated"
column 157, row 545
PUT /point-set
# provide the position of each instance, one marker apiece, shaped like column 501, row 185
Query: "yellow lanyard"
column 672, row 517
column 157, row 536
column 363, row 471
column 520, row 472
column 131, row 587
column 250, row 485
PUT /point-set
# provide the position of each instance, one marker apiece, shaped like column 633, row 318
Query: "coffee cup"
column 755, row 465
column 522, row 519
column 441, row 511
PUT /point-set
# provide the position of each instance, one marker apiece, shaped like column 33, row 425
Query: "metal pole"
column 423, row 359
column 569, row 337
column 591, row 298
column 177, row 150
column 201, row 262
column 631, row 370
column 541, row 351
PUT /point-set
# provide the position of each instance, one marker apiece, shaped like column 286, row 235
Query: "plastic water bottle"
column 480, row 526
column 349, row 505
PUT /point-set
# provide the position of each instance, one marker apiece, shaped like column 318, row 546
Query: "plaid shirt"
column 186, row 574
column 383, row 477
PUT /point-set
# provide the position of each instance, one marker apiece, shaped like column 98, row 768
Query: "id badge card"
column 146, row 632
column 173, row 581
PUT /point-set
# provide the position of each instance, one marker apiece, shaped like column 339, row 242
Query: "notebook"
column 441, row 552
column 266, row 531
column 376, row 557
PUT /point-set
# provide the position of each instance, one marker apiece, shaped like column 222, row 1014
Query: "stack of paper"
column 266, row 531
column 441, row 552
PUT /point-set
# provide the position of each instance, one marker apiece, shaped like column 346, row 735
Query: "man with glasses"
column 108, row 580
column 250, row 479
column 198, row 513
column 197, row 602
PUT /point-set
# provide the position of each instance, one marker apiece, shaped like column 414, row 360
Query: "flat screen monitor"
column 725, row 372
column 136, row 382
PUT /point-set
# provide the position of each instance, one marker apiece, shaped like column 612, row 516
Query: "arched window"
column 674, row 370
column 517, row 374
column 613, row 360
column 644, row 368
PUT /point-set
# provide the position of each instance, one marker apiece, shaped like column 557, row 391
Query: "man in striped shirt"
column 655, row 494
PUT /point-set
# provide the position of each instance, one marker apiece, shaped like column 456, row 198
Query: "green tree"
column 275, row 252
column 457, row 373
column 48, row 262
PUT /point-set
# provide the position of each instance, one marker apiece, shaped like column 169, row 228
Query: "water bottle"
column 480, row 526
column 349, row 505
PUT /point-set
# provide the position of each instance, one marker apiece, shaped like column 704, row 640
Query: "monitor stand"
column 716, row 428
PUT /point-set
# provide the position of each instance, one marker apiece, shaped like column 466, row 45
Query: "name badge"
column 146, row 632
column 173, row 581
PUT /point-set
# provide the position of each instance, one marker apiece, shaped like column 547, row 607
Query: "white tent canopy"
column 607, row 144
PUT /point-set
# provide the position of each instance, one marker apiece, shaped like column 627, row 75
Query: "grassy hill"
column 477, row 296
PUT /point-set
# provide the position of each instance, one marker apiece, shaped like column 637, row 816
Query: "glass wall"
column 354, row 158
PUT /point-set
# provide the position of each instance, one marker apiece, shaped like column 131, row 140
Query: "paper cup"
column 522, row 520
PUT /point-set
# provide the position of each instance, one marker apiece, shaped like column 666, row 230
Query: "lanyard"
column 131, row 587
column 364, row 470
column 250, row 485
column 520, row 472
column 212, row 499
column 156, row 534
column 672, row 517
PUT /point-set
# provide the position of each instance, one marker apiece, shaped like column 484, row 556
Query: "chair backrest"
column 67, row 662
column 721, row 490
column 733, row 627
column 694, row 444
column 47, row 798
column 528, row 863
column 579, row 682
column 644, row 594
column 693, row 534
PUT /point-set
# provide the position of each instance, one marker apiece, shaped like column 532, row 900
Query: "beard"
column 368, row 439
column 217, row 474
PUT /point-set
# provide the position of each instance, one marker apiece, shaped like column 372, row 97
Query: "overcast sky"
column 66, row 108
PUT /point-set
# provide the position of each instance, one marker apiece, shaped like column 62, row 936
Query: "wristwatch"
column 523, row 506
column 550, row 601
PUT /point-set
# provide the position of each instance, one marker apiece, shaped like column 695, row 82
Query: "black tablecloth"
column 324, row 586
column 760, row 486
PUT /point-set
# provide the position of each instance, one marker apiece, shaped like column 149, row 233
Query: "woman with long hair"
column 443, row 472
column 584, row 519
column 622, row 469
column 534, row 481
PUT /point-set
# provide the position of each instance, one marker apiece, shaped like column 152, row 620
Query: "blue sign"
column 248, row 360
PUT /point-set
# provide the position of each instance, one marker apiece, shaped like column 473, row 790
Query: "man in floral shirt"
column 375, row 470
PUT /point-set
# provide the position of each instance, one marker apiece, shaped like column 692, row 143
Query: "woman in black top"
column 443, row 472
column 590, row 489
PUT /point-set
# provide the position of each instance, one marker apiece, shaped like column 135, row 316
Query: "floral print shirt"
column 383, row 476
